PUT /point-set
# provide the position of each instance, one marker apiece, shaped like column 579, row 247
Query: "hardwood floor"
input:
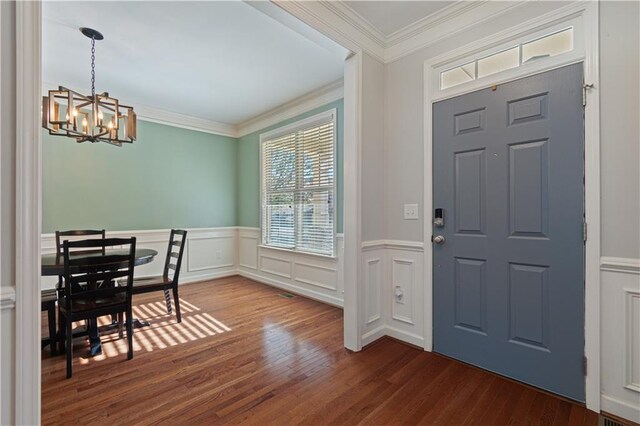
column 245, row 354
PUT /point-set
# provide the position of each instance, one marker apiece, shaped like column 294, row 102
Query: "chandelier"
column 93, row 118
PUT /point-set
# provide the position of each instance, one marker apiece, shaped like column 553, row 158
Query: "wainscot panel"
column 393, row 283
column 620, row 317
column 317, row 277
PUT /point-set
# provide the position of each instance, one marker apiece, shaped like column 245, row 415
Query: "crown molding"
column 445, row 23
column 438, row 17
column 156, row 115
column 334, row 23
column 317, row 98
column 322, row 96
column 340, row 22
column 357, row 21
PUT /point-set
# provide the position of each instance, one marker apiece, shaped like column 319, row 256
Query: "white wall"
column 620, row 185
column 620, row 128
column 373, row 149
column 7, row 212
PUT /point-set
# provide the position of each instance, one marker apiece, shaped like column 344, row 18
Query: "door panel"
column 509, row 278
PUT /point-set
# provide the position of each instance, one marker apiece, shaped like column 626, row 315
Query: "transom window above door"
column 298, row 182
column 546, row 46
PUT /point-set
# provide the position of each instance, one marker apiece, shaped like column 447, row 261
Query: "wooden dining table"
column 53, row 265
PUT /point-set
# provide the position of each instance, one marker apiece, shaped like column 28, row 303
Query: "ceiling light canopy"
column 93, row 118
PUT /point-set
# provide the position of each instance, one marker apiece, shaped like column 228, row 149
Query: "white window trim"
column 583, row 15
column 317, row 119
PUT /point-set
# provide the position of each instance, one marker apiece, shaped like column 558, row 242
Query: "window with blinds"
column 298, row 186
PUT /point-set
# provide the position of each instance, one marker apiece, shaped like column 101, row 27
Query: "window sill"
column 303, row 253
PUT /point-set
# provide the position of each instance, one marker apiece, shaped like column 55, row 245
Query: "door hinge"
column 584, row 231
column 584, row 364
column 585, row 87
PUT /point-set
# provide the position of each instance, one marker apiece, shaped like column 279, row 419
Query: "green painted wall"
column 170, row 177
column 249, row 168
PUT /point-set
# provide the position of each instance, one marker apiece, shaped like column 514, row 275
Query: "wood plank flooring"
column 243, row 354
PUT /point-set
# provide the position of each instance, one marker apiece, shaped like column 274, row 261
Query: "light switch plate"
column 411, row 211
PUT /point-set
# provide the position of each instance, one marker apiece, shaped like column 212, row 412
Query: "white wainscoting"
column 373, row 279
column 620, row 344
column 317, row 277
column 393, row 278
column 209, row 253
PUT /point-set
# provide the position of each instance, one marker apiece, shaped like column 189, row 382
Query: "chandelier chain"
column 93, row 67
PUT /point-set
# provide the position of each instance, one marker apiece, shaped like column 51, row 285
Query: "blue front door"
column 508, row 167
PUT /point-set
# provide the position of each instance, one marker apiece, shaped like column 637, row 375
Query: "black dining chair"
column 168, row 281
column 90, row 289
column 73, row 234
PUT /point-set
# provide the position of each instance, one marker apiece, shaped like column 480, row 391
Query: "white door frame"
column 588, row 12
column 28, row 211
column 352, row 204
column 29, row 206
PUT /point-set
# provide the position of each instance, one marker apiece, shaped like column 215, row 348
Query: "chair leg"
column 167, row 299
column 130, row 333
column 62, row 329
column 53, row 341
column 69, row 341
column 120, row 325
column 176, row 299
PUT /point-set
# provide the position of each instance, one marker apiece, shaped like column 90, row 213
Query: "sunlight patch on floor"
column 164, row 331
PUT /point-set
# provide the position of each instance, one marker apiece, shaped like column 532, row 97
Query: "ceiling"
column 391, row 16
column 220, row 61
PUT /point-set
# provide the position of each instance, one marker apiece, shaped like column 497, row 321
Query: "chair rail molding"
column 393, row 244
column 7, row 297
column 620, row 264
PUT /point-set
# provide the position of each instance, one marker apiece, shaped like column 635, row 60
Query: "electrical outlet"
column 399, row 293
column 411, row 211
column 218, row 254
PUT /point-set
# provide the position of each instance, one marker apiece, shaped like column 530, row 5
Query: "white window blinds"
column 298, row 188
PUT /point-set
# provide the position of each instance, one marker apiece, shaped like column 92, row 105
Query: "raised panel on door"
column 509, row 275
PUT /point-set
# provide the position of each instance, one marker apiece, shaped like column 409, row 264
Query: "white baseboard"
column 330, row 300
column 373, row 335
column 405, row 336
column 210, row 276
column 620, row 408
